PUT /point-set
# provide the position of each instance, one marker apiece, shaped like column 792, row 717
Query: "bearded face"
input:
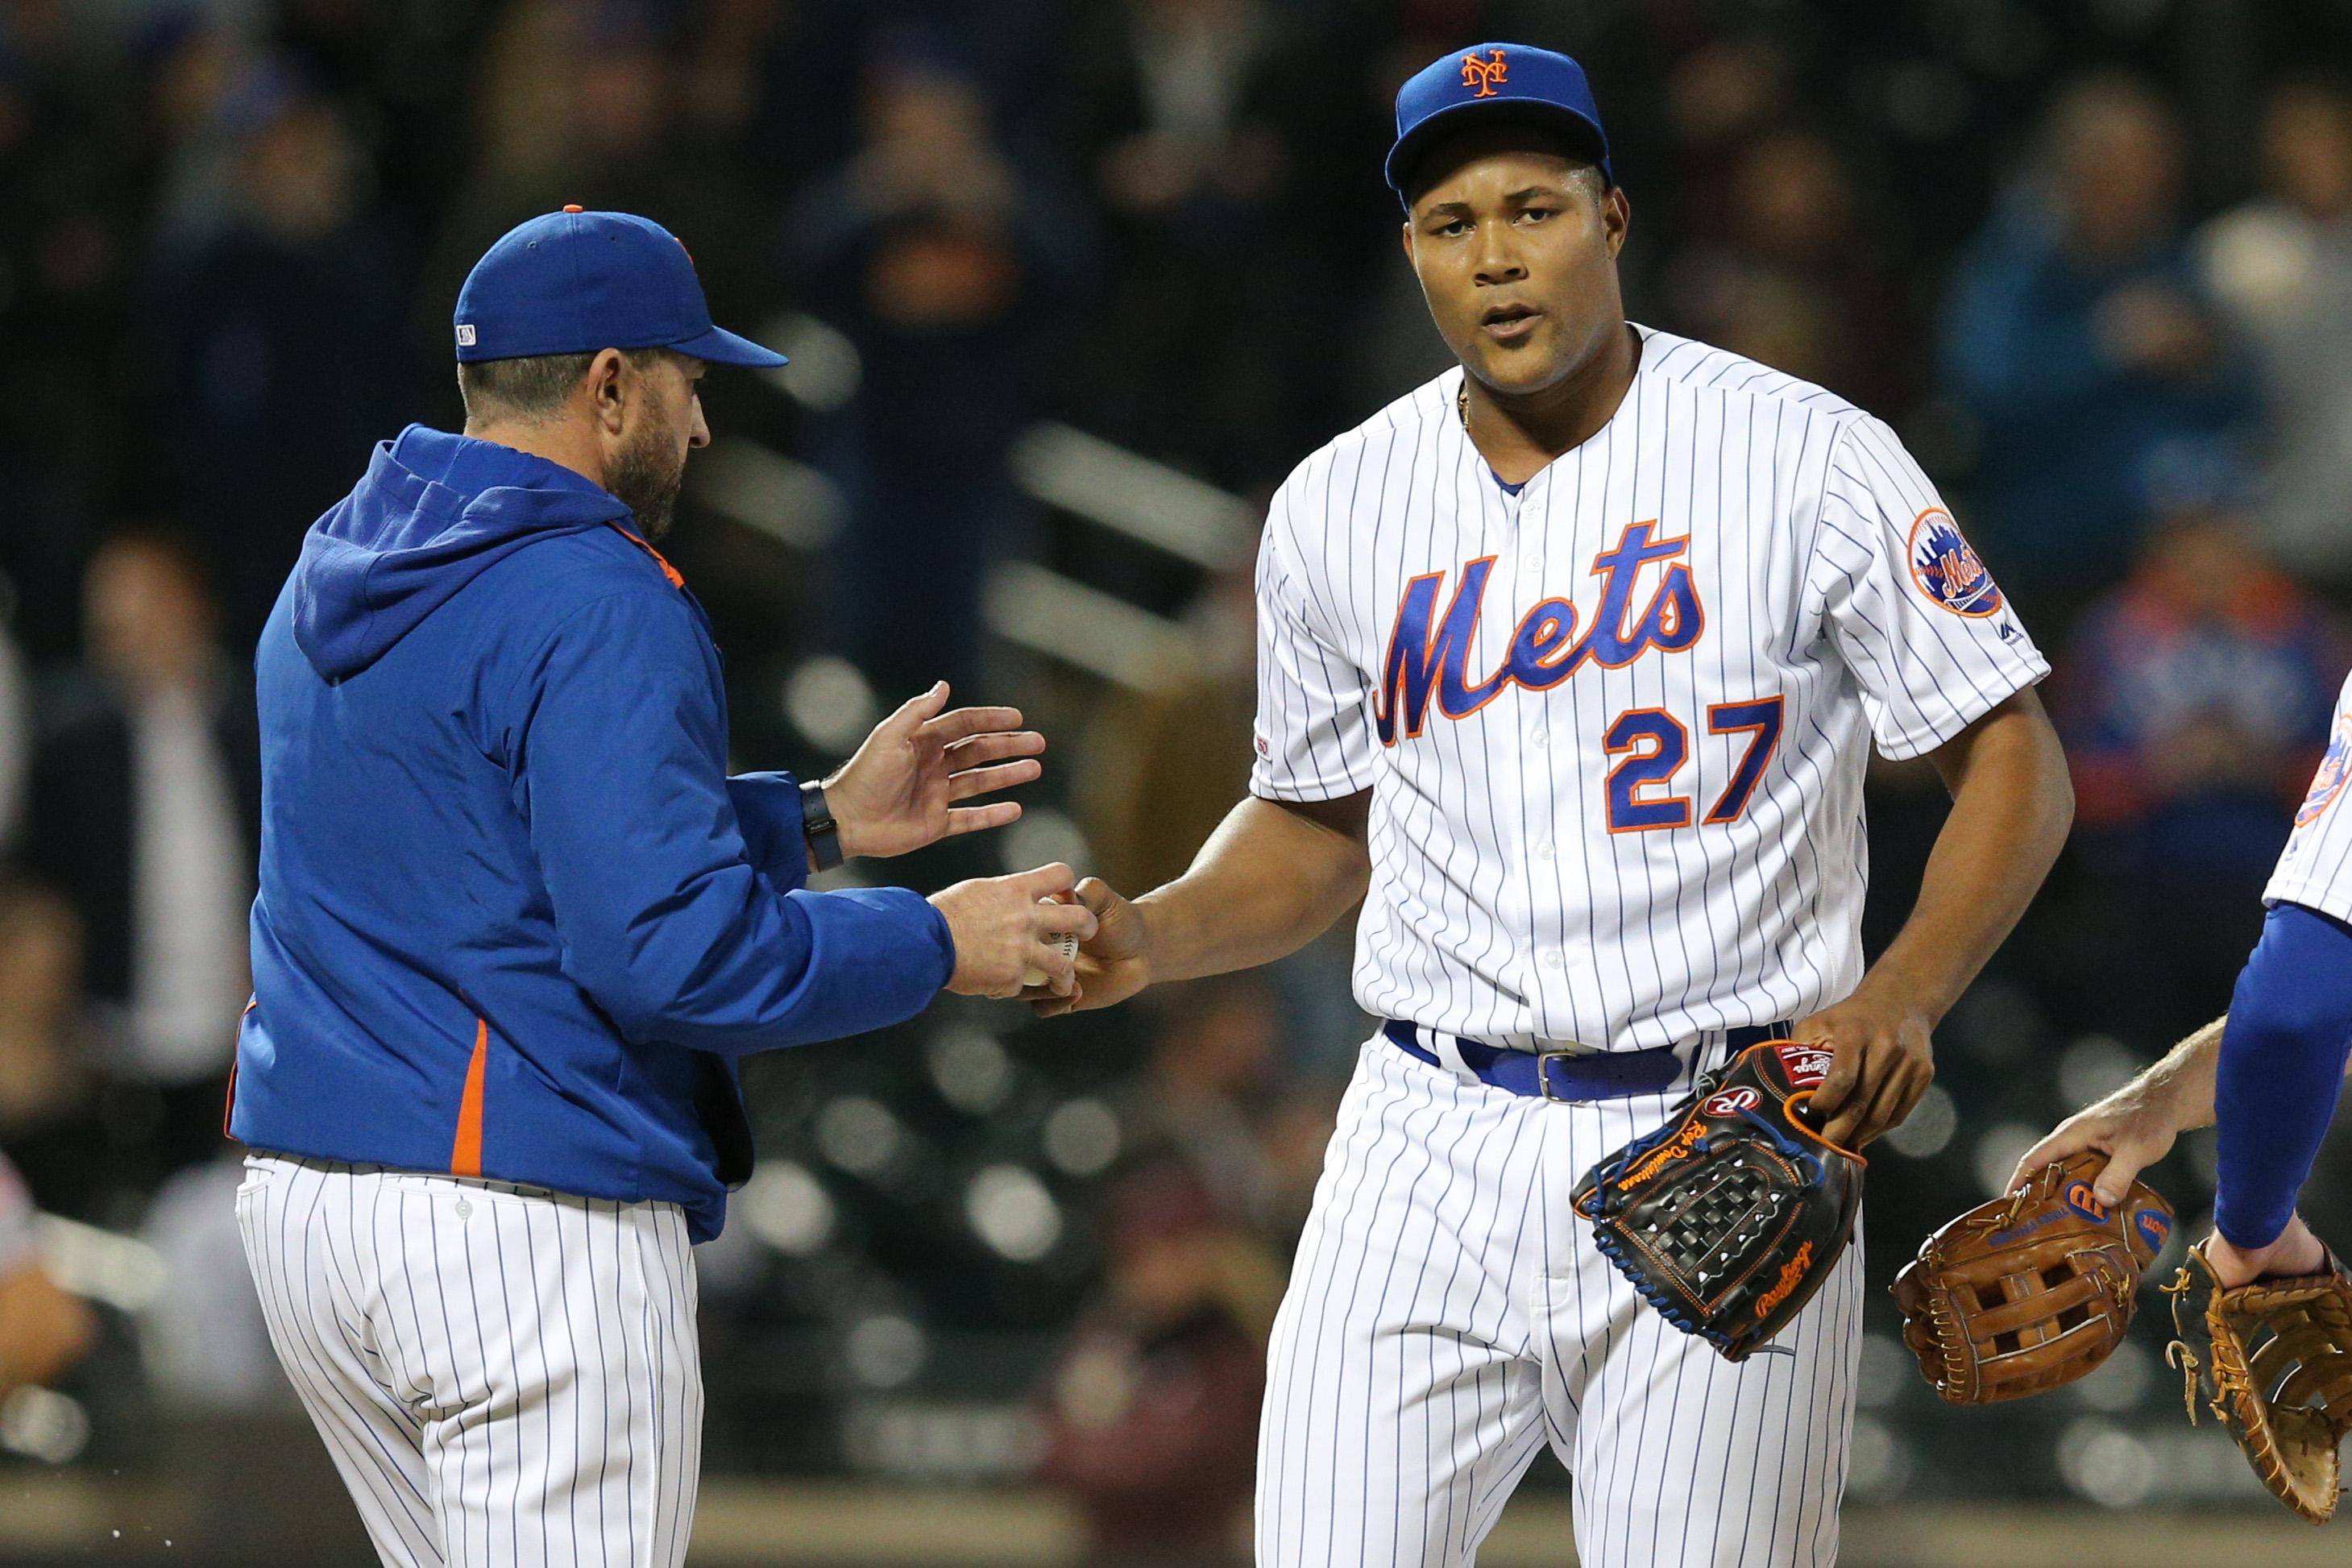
column 647, row 475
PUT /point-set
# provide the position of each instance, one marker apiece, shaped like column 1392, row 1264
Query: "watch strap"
column 818, row 826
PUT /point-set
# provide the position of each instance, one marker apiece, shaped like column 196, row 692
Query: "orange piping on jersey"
column 668, row 571
column 466, row 1153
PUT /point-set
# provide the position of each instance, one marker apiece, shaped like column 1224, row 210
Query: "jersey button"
column 1534, row 564
column 1544, row 851
column 1550, row 958
column 1538, row 737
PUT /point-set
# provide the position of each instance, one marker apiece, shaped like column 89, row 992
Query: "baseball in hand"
column 1065, row 942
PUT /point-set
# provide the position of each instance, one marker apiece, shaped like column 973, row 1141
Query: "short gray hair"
column 533, row 387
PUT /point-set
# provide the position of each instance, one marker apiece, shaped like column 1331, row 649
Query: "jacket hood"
column 433, row 512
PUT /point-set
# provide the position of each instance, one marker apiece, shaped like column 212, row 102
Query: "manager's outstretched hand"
column 899, row 793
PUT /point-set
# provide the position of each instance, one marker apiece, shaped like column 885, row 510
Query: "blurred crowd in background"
column 1069, row 286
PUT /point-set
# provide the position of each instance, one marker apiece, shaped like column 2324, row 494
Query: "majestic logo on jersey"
column 1429, row 655
column 1484, row 74
column 1948, row 568
column 2335, row 768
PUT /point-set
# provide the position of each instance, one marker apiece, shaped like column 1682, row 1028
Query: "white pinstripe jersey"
column 1615, row 725
column 2316, row 868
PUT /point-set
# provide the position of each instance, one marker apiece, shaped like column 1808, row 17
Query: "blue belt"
column 1574, row 1075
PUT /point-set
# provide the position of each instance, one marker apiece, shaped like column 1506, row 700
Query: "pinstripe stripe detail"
column 501, row 1377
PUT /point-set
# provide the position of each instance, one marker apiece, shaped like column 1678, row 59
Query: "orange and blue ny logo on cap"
column 1528, row 85
column 1486, row 74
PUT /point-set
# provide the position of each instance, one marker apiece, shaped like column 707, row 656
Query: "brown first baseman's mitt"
column 2273, row 1360
column 2032, row 1289
column 1729, row 1216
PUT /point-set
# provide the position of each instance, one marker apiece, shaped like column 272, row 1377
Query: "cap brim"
column 720, row 346
column 1583, row 134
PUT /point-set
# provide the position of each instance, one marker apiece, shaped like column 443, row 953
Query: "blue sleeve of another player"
column 2281, row 1067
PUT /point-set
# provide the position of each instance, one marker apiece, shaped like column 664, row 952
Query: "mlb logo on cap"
column 1497, row 81
column 576, row 281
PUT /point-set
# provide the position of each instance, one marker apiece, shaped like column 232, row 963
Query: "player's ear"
column 606, row 396
column 1404, row 237
column 1616, row 215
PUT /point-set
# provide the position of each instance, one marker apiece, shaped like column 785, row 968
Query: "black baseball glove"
column 1729, row 1216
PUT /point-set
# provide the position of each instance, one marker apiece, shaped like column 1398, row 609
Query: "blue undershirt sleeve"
column 2281, row 1069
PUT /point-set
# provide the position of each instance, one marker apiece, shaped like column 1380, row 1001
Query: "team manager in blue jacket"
column 515, row 921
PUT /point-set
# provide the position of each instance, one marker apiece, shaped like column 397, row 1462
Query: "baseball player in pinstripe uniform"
column 1569, row 665
column 516, row 925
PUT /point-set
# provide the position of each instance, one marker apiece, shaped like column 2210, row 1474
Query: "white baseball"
column 1065, row 942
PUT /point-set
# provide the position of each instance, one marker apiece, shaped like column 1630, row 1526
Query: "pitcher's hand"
column 1114, row 960
column 1880, row 1064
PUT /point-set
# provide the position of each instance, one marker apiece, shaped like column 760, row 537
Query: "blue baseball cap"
column 1503, row 80
column 576, row 281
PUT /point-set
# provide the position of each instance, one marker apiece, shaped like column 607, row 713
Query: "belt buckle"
column 1545, row 1056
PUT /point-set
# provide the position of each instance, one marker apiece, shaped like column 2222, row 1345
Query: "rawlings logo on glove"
column 1729, row 1216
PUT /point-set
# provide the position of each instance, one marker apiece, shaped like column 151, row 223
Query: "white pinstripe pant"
column 502, row 1375
column 1448, row 1314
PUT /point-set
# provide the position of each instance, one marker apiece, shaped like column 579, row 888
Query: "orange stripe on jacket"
column 466, row 1153
column 676, row 580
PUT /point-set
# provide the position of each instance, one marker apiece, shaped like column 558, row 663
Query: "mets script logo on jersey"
column 1484, row 74
column 2334, row 769
column 1732, row 1102
column 1429, row 655
column 1948, row 568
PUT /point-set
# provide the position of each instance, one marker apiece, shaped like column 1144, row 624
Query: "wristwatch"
column 817, row 826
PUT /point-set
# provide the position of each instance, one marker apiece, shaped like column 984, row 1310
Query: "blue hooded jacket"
column 515, row 921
